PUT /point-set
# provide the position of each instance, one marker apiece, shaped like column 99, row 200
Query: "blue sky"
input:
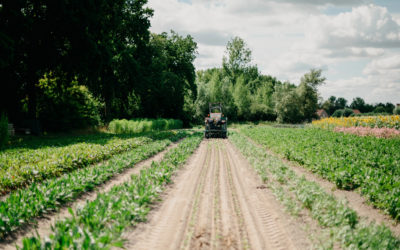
column 355, row 42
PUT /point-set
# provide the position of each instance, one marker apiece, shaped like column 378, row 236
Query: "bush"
column 396, row 110
column 347, row 112
column 343, row 113
column 64, row 106
column 370, row 114
column 338, row 113
column 3, row 130
column 143, row 125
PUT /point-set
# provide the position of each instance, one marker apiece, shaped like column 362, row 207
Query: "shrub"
column 143, row 125
column 396, row 110
column 66, row 105
column 347, row 112
column 3, row 130
column 343, row 113
column 338, row 113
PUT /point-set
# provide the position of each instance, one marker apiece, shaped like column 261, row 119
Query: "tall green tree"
column 308, row 93
column 237, row 58
column 171, row 75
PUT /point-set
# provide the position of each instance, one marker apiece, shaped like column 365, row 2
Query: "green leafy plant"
column 100, row 223
column 343, row 223
column 20, row 167
column 351, row 162
column 25, row 205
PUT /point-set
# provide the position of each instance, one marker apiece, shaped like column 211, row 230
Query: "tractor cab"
column 215, row 123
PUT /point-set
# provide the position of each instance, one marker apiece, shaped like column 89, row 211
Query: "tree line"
column 339, row 106
column 248, row 95
column 73, row 63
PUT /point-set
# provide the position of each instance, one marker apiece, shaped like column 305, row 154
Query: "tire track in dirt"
column 43, row 226
column 215, row 204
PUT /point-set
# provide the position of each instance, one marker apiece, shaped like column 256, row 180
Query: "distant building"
column 398, row 104
column 356, row 111
column 321, row 113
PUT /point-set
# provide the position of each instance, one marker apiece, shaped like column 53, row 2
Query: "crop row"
column 343, row 223
column 101, row 222
column 367, row 163
column 24, row 205
column 389, row 121
column 18, row 170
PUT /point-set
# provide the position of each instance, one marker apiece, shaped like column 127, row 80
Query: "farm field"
column 366, row 164
column 195, row 193
column 35, row 162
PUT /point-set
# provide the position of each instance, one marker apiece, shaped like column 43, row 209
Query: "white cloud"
column 288, row 37
column 385, row 66
column 365, row 26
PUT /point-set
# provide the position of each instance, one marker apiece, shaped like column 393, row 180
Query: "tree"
column 396, row 110
column 340, row 103
column 171, row 75
column 242, row 99
column 308, row 93
column 358, row 103
column 329, row 105
column 287, row 106
column 237, row 57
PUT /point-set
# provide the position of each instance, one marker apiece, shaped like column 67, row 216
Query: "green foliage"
column 342, row 222
column 343, row 113
column 379, row 109
column 24, row 205
column 171, row 77
column 370, row 114
column 287, row 106
column 368, row 163
column 142, row 125
column 396, row 111
column 3, row 130
column 237, row 57
column 66, row 105
column 20, row 167
column 96, row 224
column 338, row 113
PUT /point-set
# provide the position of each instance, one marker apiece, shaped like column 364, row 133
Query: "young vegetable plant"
column 344, row 224
column 100, row 223
column 25, row 205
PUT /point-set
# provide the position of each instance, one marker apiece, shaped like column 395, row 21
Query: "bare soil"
column 218, row 202
column 43, row 226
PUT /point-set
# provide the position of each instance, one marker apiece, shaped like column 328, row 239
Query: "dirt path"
column 43, row 226
column 218, row 202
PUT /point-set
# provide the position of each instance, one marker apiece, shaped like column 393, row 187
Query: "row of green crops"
column 100, row 223
column 143, row 125
column 369, row 164
column 19, row 168
column 24, row 205
column 343, row 223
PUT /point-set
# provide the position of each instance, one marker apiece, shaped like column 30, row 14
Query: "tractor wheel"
column 206, row 135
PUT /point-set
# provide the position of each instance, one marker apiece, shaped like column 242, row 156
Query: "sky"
column 355, row 42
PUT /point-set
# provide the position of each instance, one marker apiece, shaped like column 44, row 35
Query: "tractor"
column 215, row 122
